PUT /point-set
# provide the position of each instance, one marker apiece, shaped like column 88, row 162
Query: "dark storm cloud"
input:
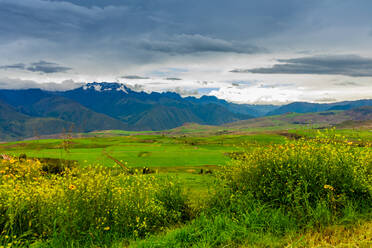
column 138, row 28
column 347, row 65
column 100, row 36
column 41, row 66
column 169, row 26
column 217, row 18
column 134, row 77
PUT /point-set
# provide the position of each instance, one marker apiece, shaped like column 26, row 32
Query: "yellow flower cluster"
column 80, row 201
column 304, row 172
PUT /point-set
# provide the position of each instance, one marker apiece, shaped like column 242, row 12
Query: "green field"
column 154, row 151
column 207, row 187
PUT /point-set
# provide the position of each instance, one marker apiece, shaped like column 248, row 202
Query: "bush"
column 84, row 203
column 304, row 176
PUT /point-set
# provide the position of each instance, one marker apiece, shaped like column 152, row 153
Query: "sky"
column 244, row 51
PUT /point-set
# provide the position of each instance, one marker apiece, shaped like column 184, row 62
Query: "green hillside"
column 294, row 120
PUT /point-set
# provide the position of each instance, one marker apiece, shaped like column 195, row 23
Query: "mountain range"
column 305, row 107
column 105, row 106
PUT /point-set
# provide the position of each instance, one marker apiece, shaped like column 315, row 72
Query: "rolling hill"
column 14, row 124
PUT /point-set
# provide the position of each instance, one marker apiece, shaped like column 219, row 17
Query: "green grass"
column 155, row 151
column 351, row 134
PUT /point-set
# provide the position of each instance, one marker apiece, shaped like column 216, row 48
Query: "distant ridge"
column 107, row 106
column 150, row 111
column 102, row 106
column 305, row 107
column 314, row 119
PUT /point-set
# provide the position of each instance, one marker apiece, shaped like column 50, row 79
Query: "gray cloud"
column 275, row 85
column 185, row 92
column 157, row 83
column 173, row 79
column 47, row 67
column 347, row 83
column 325, row 99
column 204, row 82
column 41, row 66
column 136, row 87
column 183, row 44
column 240, row 82
column 134, row 77
column 137, row 31
column 14, row 66
column 347, row 65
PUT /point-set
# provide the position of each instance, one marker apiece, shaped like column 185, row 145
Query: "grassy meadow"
column 155, row 151
column 190, row 187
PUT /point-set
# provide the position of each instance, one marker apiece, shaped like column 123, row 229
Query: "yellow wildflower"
column 326, row 186
column 72, row 187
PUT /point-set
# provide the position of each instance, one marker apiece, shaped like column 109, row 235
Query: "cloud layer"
column 186, row 44
column 41, row 67
column 348, row 65
column 134, row 77
column 15, row 83
column 155, row 43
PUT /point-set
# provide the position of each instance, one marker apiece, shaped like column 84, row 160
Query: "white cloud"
column 257, row 95
column 14, row 83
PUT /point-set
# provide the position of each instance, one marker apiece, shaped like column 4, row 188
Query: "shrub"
column 304, row 176
column 84, row 203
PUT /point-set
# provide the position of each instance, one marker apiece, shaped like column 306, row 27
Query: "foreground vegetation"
column 268, row 195
column 87, row 205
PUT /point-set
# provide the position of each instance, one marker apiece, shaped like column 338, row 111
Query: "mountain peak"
column 104, row 86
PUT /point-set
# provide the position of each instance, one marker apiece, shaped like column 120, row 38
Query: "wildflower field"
column 263, row 191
